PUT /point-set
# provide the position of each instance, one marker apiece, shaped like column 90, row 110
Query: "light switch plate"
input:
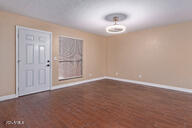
column 55, row 58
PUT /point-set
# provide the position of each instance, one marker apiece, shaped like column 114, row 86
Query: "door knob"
column 47, row 65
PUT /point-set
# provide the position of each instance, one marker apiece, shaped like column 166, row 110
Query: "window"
column 70, row 58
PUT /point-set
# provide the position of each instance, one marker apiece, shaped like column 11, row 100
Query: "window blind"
column 70, row 58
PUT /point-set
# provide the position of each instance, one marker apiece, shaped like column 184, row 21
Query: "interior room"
column 95, row 64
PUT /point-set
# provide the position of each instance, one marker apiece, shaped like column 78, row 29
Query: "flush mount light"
column 116, row 28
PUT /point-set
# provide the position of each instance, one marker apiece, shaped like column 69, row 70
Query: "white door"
column 34, row 61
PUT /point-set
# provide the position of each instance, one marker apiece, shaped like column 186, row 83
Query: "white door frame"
column 17, row 55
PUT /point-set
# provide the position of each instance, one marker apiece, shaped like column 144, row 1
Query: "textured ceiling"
column 89, row 15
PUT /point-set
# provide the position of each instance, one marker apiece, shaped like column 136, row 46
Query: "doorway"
column 33, row 60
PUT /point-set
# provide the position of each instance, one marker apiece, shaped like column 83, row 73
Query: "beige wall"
column 94, row 50
column 161, row 55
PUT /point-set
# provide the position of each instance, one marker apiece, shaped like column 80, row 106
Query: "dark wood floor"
column 101, row 104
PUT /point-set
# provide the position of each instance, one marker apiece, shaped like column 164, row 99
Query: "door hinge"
column 19, row 89
column 18, row 61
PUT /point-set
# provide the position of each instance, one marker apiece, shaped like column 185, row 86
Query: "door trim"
column 17, row 55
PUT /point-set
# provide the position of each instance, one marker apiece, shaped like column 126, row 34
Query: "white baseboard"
column 3, row 98
column 151, row 84
column 8, row 97
column 75, row 83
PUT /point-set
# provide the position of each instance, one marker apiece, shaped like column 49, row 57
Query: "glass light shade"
column 116, row 28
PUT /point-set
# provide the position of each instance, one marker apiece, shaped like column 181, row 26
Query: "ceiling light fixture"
column 116, row 28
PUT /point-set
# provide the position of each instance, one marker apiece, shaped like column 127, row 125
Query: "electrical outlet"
column 180, row 82
column 116, row 73
column 139, row 76
column 90, row 74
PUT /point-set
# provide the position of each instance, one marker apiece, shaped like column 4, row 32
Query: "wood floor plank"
column 100, row 104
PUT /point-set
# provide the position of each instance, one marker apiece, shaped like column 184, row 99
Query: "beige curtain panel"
column 70, row 58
